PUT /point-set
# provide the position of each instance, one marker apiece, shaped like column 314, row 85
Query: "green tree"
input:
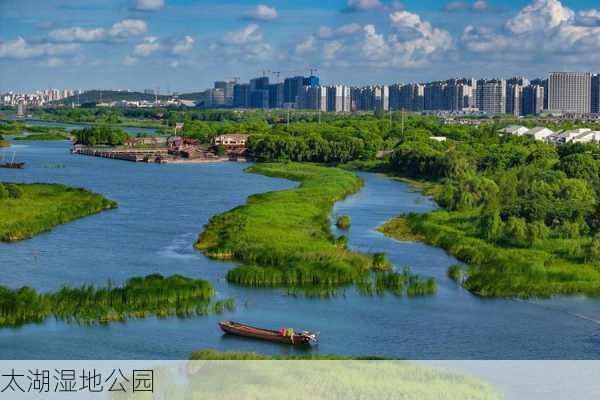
column 594, row 252
column 516, row 231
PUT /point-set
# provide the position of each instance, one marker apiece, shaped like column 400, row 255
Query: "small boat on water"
column 13, row 165
column 282, row 336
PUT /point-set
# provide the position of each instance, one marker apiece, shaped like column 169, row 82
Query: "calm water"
column 161, row 210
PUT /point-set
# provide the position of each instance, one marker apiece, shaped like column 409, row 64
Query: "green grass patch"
column 283, row 238
column 214, row 355
column 44, row 137
column 140, row 297
column 30, row 209
column 500, row 270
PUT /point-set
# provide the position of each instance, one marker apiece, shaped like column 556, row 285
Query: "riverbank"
column 30, row 209
column 140, row 297
column 283, row 238
column 43, row 137
column 543, row 270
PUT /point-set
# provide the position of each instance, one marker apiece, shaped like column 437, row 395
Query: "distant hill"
column 107, row 96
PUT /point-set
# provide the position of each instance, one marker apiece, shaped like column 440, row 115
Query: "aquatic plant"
column 545, row 269
column 343, row 222
column 283, row 238
column 140, row 297
column 29, row 209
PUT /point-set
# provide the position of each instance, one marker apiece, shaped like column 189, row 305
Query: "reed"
column 283, row 238
column 503, row 271
column 140, row 297
column 40, row 207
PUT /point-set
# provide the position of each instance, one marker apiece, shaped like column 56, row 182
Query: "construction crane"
column 313, row 71
column 236, row 79
column 277, row 74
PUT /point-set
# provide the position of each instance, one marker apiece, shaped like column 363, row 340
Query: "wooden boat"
column 13, row 165
column 234, row 328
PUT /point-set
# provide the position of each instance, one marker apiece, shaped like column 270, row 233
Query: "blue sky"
column 185, row 45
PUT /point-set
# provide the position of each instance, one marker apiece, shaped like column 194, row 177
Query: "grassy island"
column 140, row 297
column 4, row 143
column 30, row 209
column 283, row 238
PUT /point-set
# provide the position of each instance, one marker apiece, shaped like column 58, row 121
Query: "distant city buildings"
column 564, row 93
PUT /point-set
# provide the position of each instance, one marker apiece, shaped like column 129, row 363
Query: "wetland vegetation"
column 30, row 209
column 283, row 238
column 140, row 297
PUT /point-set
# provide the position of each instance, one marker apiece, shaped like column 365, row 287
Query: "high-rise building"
column 311, row 81
column 595, row 101
column 491, row 96
column 241, row 95
column 276, row 95
column 313, row 98
column 291, row 89
column 435, row 96
column 570, row 92
column 514, row 103
column 533, row 99
column 259, row 92
column 227, row 88
column 338, row 98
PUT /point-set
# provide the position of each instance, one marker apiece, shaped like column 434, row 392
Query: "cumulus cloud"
column 77, row 34
column 249, row 34
column 463, row 5
column 147, row 47
column 247, row 43
column 261, row 13
column 149, row 5
column 363, row 5
column 411, row 42
column 127, row 28
column 545, row 28
column 183, row 46
column 19, row 49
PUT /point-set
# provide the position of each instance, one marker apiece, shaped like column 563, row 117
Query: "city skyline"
column 182, row 45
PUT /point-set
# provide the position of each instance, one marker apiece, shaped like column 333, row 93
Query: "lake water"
column 162, row 208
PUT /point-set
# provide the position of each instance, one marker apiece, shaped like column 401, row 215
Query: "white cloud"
column 411, row 42
column 545, row 29
column 306, row 46
column 326, row 32
column 463, row 5
column 147, row 47
column 249, row 34
column 127, row 28
column 363, row 5
column 261, row 13
column 19, row 49
column 184, row 46
column 149, row 5
column 247, row 44
column 541, row 15
column 77, row 34
column 330, row 49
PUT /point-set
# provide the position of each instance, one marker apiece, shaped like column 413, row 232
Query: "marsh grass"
column 43, row 206
column 502, row 271
column 283, row 238
column 140, row 297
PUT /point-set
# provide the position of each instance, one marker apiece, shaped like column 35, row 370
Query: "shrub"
column 343, row 222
